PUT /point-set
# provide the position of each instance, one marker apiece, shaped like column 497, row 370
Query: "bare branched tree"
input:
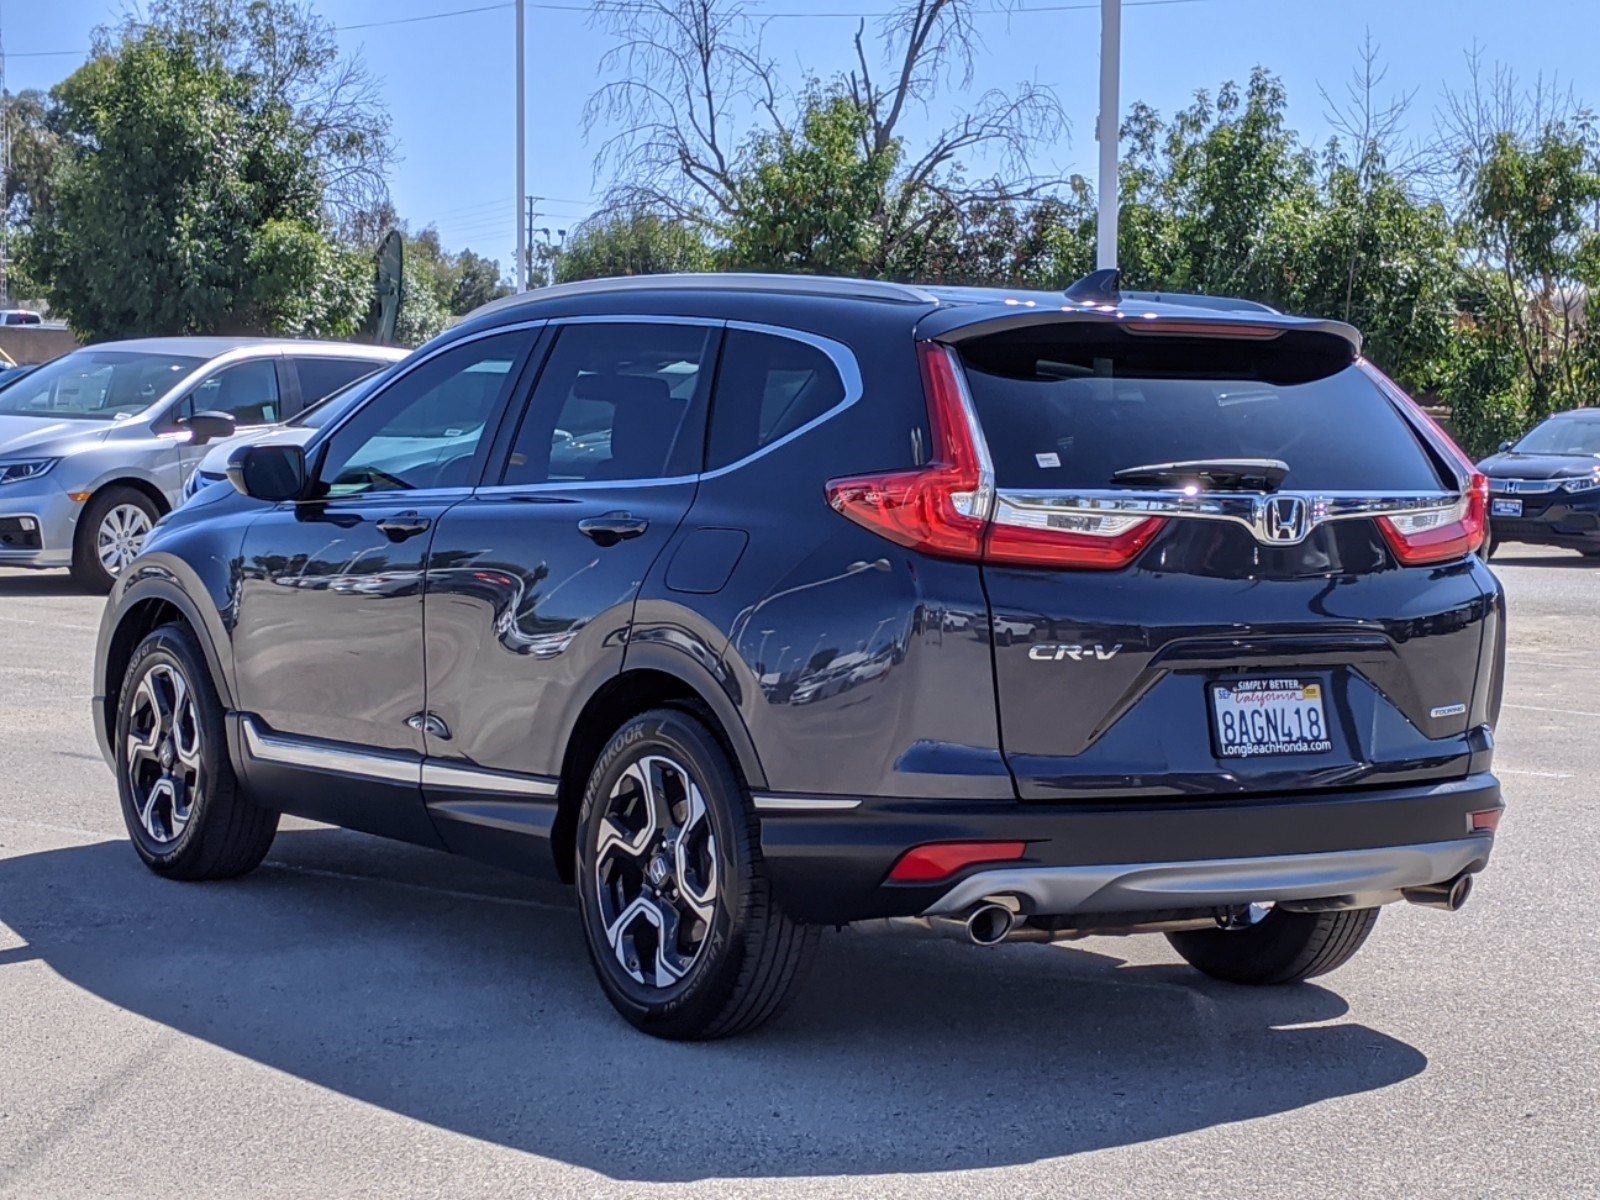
column 695, row 91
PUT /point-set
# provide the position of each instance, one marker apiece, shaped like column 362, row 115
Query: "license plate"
column 1269, row 716
column 1505, row 508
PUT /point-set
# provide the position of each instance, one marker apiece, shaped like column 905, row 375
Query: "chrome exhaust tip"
column 990, row 924
column 1449, row 896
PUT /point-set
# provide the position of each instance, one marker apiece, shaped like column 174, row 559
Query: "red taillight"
column 926, row 864
column 1440, row 534
column 941, row 508
column 1417, row 539
column 948, row 507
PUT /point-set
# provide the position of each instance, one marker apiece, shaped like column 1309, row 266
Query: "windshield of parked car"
column 1562, row 435
column 97, row 385
column 334, row 405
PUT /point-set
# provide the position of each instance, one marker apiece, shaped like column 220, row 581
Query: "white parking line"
column 1571, row 712
column 52, row 624
column 1539, row 774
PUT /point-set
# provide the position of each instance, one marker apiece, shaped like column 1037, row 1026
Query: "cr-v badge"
column 1050, row 652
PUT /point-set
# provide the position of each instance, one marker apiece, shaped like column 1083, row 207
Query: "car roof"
column 216, row 347
column 937, row 311
column 1582, row 414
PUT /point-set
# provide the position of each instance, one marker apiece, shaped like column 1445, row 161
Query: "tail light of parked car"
column 947, row 507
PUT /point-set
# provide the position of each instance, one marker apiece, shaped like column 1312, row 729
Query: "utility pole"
column 5, row 175
column 522, row 145
column 530, row 214
column 1110, row 108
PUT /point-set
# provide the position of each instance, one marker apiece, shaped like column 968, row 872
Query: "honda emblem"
column 1283, row 520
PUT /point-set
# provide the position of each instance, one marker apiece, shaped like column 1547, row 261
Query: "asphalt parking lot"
column 363, row 1019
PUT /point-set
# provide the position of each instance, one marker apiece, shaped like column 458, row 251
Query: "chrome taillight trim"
column 1275, row 518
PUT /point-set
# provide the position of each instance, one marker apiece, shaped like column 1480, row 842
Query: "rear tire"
column 111, row 530
column 677, row 910
column 1283, row 947
column 186, row 814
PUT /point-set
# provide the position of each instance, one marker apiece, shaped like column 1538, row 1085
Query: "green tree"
column 182, row 203
column 633, row 243
column 808, row 198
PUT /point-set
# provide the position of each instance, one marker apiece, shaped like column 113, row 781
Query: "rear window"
column 1067, row 407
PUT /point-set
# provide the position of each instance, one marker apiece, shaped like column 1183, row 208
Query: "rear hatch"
column 1282, row 598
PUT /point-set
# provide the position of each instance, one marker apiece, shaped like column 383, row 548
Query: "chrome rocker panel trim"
column 286, row 750
column 1217, row 883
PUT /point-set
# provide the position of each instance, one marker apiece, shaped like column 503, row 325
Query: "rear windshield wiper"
column 1211, row 474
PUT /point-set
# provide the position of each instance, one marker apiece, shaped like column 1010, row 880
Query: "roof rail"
column 723, row 281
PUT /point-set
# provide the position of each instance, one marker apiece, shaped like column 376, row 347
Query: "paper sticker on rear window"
column 1047, row 460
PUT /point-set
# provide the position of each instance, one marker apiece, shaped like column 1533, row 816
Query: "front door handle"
column 403, row 525
column 612, row 528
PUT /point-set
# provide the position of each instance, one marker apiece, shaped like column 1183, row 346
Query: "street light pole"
column 522, row 147
column 1110, row 107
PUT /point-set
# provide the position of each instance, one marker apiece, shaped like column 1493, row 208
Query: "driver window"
column 247, row 392
column 427, row 429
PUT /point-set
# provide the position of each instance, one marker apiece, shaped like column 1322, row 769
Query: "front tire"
column 677, row 909
column 1280, row 947
column 184, row 809
column 111, row 532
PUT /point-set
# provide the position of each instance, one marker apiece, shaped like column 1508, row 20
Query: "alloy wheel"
column 163, row 752
column 121, row 536
column 655, row 867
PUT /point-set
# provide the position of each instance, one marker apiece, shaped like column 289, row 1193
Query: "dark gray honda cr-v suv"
column 753, row 605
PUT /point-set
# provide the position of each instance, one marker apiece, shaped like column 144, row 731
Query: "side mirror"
column 273, row 473
column 1504, row 446
column 209, row 427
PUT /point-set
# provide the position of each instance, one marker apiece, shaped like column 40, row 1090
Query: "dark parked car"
column 1545, row 489
column 1011, row 616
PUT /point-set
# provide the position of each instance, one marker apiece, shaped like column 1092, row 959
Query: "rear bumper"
column 831, row 865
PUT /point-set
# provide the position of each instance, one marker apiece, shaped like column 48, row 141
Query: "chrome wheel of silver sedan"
column 655, row 867
column 121, row 536
column 162, row 755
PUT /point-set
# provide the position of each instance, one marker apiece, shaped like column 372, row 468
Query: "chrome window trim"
column 841, row 356
column 406, row 366
column 474, row 779
column 1028, row 508
column 292, row 751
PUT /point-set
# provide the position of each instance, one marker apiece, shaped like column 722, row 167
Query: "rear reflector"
column 1486, row 821
column 947, row 508
column 927, row 864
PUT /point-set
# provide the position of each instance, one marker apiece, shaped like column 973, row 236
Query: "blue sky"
column 448, row 82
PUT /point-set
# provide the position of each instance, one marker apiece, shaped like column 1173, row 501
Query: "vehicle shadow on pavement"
column 455, row 995
column 42, row 584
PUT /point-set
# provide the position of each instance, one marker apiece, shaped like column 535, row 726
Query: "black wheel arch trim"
column 657, row 656
column 151, row 581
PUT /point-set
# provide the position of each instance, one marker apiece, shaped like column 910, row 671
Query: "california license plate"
column 1505, row 508
column 1269, row 716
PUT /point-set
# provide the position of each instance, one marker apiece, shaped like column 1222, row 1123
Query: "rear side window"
column 321, row 377
column 767, row 387
column 1067, row 407
column 615, row 402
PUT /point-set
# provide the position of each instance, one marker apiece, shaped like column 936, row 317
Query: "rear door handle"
column 612, row 528
column 403, row 525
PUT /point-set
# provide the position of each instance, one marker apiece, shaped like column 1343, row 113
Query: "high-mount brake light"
column 948, row 508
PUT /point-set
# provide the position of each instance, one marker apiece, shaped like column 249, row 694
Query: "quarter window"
column 768, row 387
column 428, row 428
column 321, row 377
column 622, row 401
